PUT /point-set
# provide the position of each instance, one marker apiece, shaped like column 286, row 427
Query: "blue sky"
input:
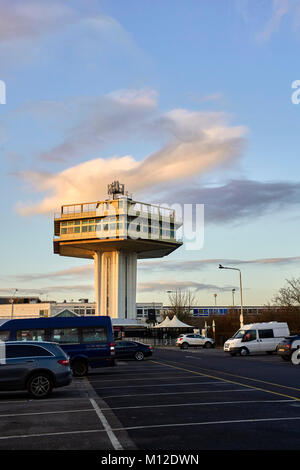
column 100, row 90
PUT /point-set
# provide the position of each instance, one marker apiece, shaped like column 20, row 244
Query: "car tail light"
column 150, row 347
column 112, row 349
column 287, row 346
column 180, row 339
column 64, row 362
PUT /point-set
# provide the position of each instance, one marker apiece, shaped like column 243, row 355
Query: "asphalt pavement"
column 177, row 400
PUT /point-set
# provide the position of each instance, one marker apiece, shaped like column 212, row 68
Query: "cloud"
column 163, row 286
column 78, row 272
column 280, row 9
column 196, row 265
column 237, row 199
column 267, row 16
column 103, row 120
column 21, row 20
column 194, row 142
column 80, row 288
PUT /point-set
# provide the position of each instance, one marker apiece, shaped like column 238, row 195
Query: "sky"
column 186, row 103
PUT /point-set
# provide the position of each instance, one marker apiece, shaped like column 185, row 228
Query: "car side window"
column 90, row 335
column 4, row 335
column 250, row 335
column 266, row 333
column 31, row 335
column 65, row 335
column 15, row 351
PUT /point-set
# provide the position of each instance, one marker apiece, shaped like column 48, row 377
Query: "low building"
column 34, row 307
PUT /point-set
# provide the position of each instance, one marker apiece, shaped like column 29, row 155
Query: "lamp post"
column 215, row 296
column 233, row 292
column 241, row 291
column 12, row 303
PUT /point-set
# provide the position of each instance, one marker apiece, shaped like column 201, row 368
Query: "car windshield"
column 239, row 334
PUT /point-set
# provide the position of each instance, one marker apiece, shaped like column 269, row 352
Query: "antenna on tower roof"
column 116, row 189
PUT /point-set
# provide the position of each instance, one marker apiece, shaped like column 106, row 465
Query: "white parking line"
column 47, row 434
column 44, row 413
column 125, row 379
column 206, row 423
column 112, row 437
column 161, row 385
column 198, row 404
column 180, row 393
column 154, row 426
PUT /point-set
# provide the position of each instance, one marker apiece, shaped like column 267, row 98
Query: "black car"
column 132, row 350
column 286, row 348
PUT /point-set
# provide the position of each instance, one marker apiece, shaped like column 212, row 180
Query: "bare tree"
column 181, row 303
column 289, row 296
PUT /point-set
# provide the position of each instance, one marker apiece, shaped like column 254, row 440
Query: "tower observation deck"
column 115, row 233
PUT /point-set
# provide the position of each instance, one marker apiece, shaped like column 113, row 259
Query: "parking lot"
column 176, row 400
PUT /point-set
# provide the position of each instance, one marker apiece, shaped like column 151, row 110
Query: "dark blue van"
column 88, row 341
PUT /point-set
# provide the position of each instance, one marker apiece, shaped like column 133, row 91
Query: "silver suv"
column 184, row 341
column 35, row 366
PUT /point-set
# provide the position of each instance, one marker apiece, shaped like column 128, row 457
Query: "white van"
column 257, row 338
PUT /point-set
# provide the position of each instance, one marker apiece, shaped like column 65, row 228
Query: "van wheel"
column 79, row 368
column 244, row 352
column 184, row 346
column 39, row 385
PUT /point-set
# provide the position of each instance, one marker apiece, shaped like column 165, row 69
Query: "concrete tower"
column 115, row 233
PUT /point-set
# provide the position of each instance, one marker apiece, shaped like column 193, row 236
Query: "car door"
column 199, row 340
column 251, row 341
column 123, row 349
column 191, row 340
column 18, row 363
column 266, row 340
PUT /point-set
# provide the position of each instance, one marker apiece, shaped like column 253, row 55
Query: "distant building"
column 39, row 308
column 205, row 311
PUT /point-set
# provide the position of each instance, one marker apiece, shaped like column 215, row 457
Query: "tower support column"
column 97, row 269
column 115, row 284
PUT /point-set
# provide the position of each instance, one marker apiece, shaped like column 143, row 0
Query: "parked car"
column 37, row 367
column 289, row 345
column 184, row 341
column 257, row 338
column 132, row 349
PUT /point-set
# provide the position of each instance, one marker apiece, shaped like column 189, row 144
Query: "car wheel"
column 243, row 352
column 184, row 346
column 39, row 385
column 79, row 368
column 139, row 356
column 208, row 345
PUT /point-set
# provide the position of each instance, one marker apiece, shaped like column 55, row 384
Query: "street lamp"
column 233, row 292
column 12, row 303
column 241, row 291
